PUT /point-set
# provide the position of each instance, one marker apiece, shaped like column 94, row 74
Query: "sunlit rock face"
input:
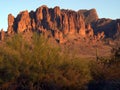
column 10, row 24
column 61, row 22
column 24, row 22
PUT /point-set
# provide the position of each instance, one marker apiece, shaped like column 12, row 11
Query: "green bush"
column 37, row 64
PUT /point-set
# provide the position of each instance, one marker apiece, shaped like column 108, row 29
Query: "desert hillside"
column 59, row 49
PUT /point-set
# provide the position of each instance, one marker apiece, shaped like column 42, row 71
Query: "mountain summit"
column 61, row 23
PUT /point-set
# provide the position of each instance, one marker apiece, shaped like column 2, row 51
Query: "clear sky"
column 105, row 8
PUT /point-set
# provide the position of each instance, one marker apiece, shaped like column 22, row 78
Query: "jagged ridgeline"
column 61, row 22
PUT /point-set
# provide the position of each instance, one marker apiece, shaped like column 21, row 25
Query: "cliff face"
column 59, row 22
column 10, row 24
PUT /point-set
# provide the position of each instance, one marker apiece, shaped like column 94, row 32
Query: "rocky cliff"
column 61, row 23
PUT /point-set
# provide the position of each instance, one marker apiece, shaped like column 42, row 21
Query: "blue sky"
column 105, row 8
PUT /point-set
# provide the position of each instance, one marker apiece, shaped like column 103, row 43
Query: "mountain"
column 62, row 23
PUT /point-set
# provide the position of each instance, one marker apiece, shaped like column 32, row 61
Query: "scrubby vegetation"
column 36, row 65
column 105, row 72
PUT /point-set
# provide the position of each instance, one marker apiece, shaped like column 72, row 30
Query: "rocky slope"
column 62, row 23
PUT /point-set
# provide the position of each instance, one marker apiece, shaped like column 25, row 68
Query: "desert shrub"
column 36, row 64
column 105, row 72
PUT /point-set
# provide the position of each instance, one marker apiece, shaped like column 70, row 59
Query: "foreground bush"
column 36, row 65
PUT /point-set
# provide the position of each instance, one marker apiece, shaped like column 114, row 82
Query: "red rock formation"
column 62, row 23
column 71, row 25
column 56, row 32
column 118, row 27
column 58, row 35
column 43, row 17
column 100, row 36
column 2, row 35
column 61, row 39
column 33, row 24
column 10, row 24
column 65, row 24
column 57, row 21
column 89, row 31
column 81, row 25
column 39, row 14
column 57, row 11
column 24, row 23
